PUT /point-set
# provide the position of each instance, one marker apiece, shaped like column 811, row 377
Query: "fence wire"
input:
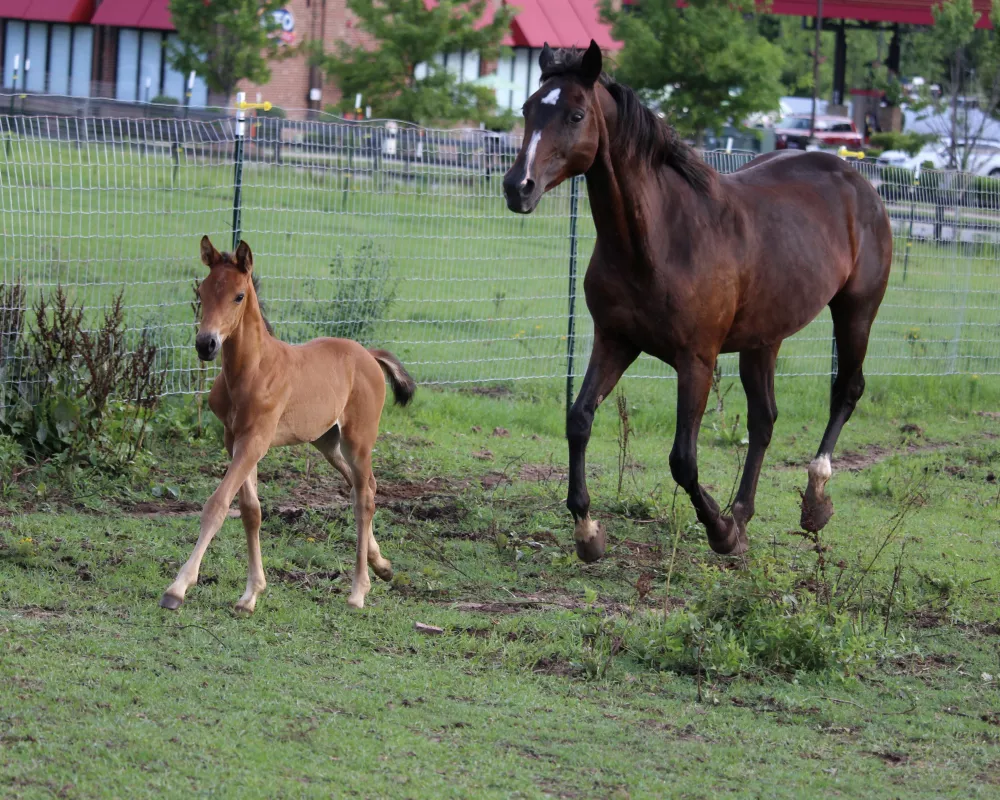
column 401, row 238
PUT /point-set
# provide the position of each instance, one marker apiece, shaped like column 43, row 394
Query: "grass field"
column 551, row 678
column 480, row 293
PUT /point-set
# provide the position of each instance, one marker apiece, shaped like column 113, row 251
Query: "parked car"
column 984, row 158
column 792, row 133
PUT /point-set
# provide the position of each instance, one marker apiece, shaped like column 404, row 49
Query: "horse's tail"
column 403, row 386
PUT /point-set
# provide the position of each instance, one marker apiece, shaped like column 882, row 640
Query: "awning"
column 482, row 22
column 150, row 14
column 47, row 10
column 561, row 23
column 913, row 12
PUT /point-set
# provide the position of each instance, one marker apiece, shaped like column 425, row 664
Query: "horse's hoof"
column 243, row 608
column 816, row 512
column 383, row 571
column 171, row 603
column 728, row 539
column 357, row 602
column 590, row 540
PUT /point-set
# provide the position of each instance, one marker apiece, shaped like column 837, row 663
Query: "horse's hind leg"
column 852, row 324
column 757, row 376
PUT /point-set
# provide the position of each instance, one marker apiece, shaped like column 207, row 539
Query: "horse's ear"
column 592, row 63
column 243, row 257
column 546, row 58
column 209, row 255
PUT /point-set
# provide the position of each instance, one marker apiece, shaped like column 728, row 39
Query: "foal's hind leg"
column 851, row 328
column 757, row 376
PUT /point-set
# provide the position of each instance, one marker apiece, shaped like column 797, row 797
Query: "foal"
column 328, row 392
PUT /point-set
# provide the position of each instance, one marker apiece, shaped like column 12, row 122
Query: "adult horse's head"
column 561, row 128
column 223, row 296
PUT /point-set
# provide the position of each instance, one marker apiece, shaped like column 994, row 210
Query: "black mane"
column 640, row 134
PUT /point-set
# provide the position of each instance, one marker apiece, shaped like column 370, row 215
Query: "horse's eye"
column 239, row 297
column 576, row 116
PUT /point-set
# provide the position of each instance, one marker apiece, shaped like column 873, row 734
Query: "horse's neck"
column 242, row 350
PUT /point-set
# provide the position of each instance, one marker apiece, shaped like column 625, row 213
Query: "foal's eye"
column 576, row 116
column 239, row 297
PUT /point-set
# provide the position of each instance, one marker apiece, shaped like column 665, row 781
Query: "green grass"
column 103, row 694
column 482, row 293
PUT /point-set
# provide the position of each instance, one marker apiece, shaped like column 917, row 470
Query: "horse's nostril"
column 527, row 187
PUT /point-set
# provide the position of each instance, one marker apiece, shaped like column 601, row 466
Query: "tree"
column 970, row 77
column 226, row 41
column 705, row 64
column 407, row 35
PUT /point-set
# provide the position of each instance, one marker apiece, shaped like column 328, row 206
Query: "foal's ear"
column 243, row 257
column 546, row 58
column 209, row 255
column 592, row 64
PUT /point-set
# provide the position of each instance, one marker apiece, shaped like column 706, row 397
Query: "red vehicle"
column 792, row 133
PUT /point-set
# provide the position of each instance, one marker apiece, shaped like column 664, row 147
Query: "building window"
column 59, row 55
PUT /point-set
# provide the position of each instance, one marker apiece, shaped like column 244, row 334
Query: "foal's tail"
column 403, row 386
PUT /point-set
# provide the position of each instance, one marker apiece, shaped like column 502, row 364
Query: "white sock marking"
column 536, row 137
column 552, row 97
column 821, row 468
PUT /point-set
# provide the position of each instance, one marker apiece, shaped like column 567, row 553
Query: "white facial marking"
column 536, row 137
column 551, row 98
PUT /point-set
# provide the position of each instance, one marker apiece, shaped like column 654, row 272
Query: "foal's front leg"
column 694, row 381
column 246, row 453
column 608, row 361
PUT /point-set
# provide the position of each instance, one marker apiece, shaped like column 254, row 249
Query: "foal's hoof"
column 816, row 512
column 171, row 603
column 590, row 540
column 728, row 538
column 383, row 571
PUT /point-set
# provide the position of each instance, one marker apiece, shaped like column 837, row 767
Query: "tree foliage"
column 704, row 65
column 226, row 41
column 406, row 34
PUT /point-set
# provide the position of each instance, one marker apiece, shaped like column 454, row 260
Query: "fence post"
column 909, row 234
column 574, row 201
column 241, row 116
column 13, row 94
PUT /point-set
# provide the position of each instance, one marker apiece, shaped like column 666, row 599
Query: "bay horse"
column 689, row 264
column 327, row 392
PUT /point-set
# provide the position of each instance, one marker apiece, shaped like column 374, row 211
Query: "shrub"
column 910, row 143
column 165, row 100
column 80, row 395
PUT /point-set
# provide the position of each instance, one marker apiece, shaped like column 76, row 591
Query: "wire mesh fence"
column 399, row 236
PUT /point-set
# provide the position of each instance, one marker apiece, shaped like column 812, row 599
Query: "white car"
column 984, row 158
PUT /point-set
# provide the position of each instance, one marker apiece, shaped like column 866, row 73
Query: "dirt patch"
column 890, row 757
column 988, row 414
column 302, row 579
column 488, row 391
column 855, row 461
column 554, row 666
column 542, row 472
column 166, row 508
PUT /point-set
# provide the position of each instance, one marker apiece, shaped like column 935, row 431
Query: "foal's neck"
column 242, row 350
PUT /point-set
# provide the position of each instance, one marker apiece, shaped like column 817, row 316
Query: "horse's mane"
column 256, row 290
column 639, row 133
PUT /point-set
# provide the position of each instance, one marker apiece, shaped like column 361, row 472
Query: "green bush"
column 165, row 100
column 910, row 143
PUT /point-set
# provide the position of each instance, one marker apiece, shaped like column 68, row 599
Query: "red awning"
column 913, row 12
column 150, row 14
column 486, row 19
column 47, row 10
column 561, row 23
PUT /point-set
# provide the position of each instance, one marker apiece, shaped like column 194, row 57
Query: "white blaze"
column 536, row 137
column 551, row 98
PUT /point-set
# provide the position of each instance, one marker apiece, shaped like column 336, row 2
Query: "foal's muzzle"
column 207, row 345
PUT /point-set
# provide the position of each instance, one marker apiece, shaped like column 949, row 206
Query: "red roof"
column 561, row 23
column 913, row 12
column 151, row 14
column 483, row 21
column 47, row 10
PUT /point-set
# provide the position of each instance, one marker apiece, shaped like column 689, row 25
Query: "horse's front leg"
column 247, row 451
column 694, row 381
column 608, row 360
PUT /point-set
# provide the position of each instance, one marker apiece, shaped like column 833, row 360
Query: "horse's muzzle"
column 207, row 345
column 522, row 195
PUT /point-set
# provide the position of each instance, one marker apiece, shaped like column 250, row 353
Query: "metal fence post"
column 909, row 234
column 241, row 116
column 574, row 200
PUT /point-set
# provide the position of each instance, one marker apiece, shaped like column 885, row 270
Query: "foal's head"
column 561, row 129
column 223, row 295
